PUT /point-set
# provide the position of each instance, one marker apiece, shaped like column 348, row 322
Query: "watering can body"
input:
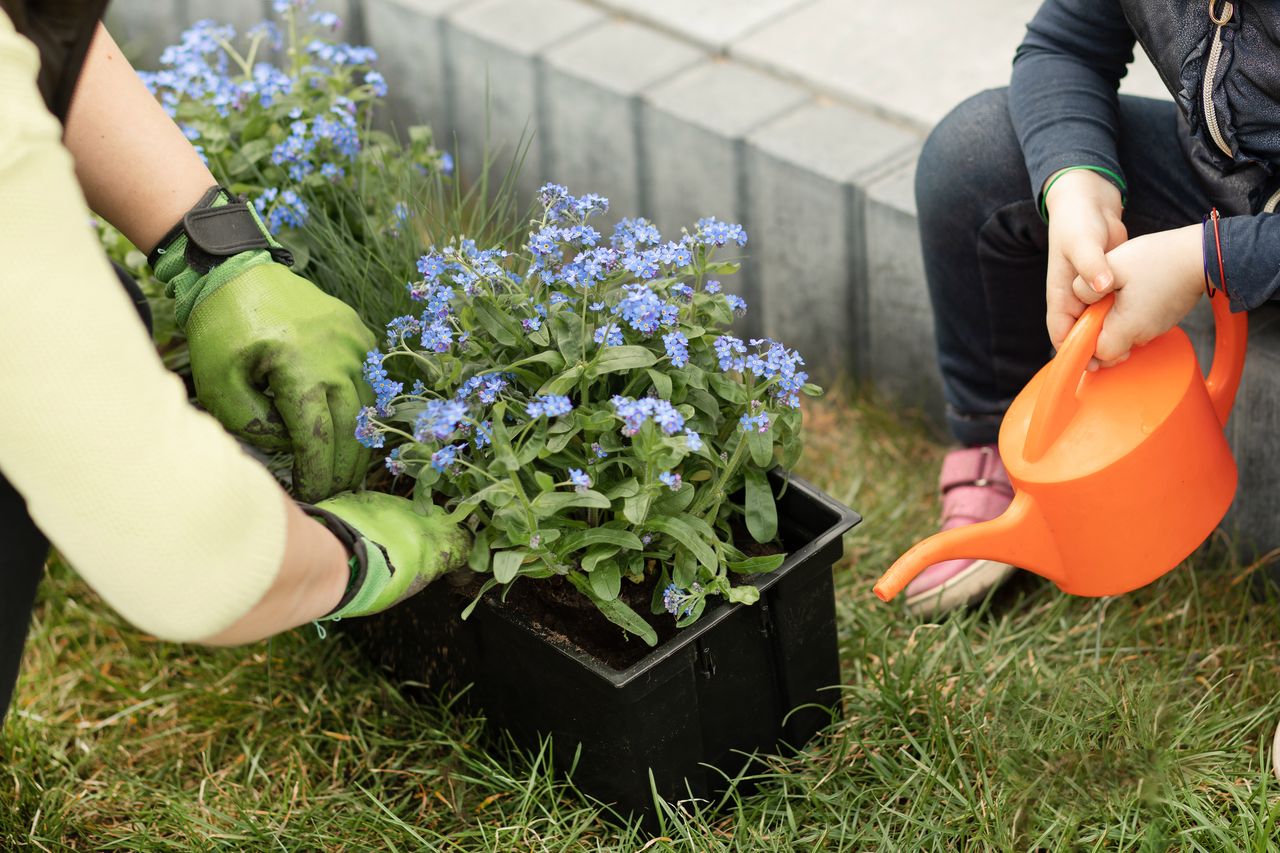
column 1118, row 474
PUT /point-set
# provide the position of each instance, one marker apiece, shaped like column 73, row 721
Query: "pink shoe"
column 975, row 487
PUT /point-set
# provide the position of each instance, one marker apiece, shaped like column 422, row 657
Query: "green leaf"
column 617, row 612
column 579, row 539
column 743, row 594
column 488, row 585
column 757, row 565
column 674, row 503
column 533, row 444
column 760, row 446
column 503, row 329
column 614, row 359
column 593, row 557
column 762, row 513
column 723, row 267
column 606, row 581
column 254, row 128
column 254, row 151
column 478, row 559
column 811, row 390
column 563, row 382
column 729, row 390
column 506, row 565
column 550, row 358
column 656, row 604
column 422, row 494
column 686, row 568
column 623, row 489
column 560, row 439
column 635, row 508
column 541, row 337
column 703, row 402
column 684, row 533
column 544, row 481
column 569, row 333
column 661, row 383
column 550, row 503
column 504, row 456
column 792, row 448
column 692, row 616
column 496, row 494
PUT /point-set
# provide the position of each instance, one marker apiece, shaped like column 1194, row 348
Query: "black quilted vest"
column 61, row 30
column 1244, row 89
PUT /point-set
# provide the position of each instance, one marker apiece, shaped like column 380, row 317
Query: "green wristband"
column 1102, row 170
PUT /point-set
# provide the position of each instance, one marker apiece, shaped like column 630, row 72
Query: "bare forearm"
column 136, row 168
column 311, row 581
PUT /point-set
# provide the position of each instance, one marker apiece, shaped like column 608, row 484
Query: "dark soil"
column 553, row 608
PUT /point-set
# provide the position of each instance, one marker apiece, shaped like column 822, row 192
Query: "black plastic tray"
column 743, row 679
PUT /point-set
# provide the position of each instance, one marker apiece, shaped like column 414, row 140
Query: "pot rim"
column 844, row 519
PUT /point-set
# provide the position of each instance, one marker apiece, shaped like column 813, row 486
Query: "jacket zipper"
column 1211, row 71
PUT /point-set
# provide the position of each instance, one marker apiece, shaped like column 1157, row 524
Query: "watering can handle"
column 1057, row 402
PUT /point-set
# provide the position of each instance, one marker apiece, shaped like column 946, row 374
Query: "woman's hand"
column 1158, row 279
column 1084, row 224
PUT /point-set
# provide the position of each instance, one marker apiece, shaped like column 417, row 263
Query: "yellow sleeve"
column 150, row 500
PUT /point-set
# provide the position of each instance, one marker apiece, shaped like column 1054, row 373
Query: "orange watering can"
column 1118, row 474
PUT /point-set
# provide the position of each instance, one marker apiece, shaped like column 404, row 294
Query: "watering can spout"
column 1019, row 537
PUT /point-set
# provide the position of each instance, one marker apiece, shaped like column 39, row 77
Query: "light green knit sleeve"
column 151, row 501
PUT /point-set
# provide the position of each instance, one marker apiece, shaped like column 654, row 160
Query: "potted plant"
column 641, row 587
column 645, row 585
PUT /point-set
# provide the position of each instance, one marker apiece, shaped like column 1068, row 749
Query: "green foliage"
column 584, row 404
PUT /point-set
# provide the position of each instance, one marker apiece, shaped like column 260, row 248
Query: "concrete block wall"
column 799, row 118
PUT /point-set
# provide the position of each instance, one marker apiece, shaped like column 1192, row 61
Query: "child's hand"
column 1158, row 279
column 1084, row 224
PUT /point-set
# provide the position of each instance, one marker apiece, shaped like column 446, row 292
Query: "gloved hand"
column 396, row 550
column 276, row 360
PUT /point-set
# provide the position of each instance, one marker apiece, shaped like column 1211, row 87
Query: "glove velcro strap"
column 210, row 247
column 218, row 227
column 216, row 233
column 366, row 565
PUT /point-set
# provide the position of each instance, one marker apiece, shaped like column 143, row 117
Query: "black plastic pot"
column 745, row 678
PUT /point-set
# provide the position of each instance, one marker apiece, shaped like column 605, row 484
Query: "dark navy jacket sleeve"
column 1250, row 258
column 1062, row 96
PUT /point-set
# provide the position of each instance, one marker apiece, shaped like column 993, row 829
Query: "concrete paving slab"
column 915, row 59
column 694, row 126
column 899, row 352
column 493, row 73
column 592, row 109
column 711, row 23
column 804, row 173
column 409, row 36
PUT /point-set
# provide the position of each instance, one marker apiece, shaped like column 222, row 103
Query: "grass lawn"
column 1037, row 722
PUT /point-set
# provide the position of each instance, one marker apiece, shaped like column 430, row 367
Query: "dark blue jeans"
column 23, row 552
column 986, row 248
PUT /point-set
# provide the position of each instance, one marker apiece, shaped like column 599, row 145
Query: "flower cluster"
column 582, row 403
column 285, row 133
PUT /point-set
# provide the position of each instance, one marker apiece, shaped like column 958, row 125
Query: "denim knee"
column 970, row 161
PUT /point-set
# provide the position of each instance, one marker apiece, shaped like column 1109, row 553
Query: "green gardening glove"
column 276, row 360
column 396, row 550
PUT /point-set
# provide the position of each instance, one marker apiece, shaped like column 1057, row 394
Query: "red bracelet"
column 1217, row 242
